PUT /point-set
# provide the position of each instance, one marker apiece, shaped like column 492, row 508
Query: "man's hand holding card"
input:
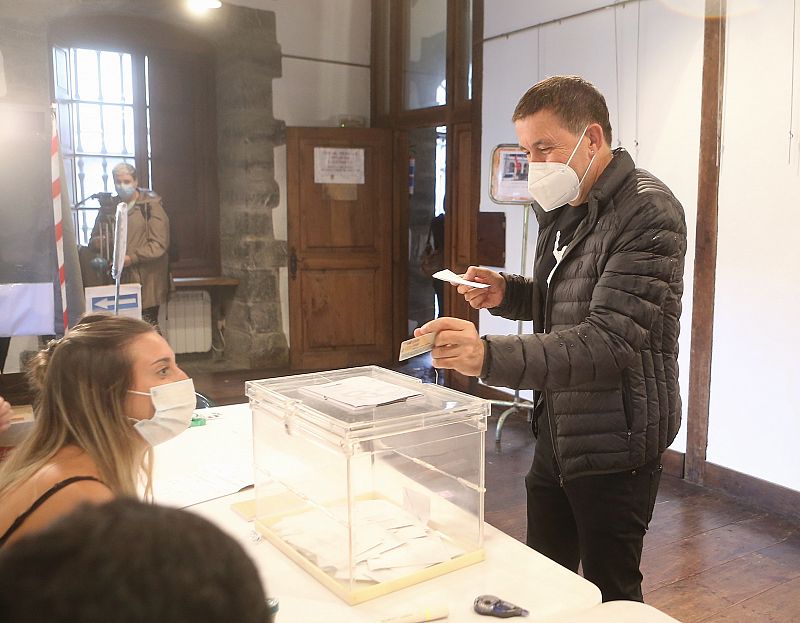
column 456, row 345
column 416, row 346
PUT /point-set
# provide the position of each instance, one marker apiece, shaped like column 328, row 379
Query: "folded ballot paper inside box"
column 367, row 478
column 361, row 391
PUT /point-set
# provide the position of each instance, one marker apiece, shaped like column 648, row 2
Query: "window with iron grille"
column 103, row 112
column 141, row 91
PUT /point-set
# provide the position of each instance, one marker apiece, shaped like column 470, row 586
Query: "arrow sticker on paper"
column 106, row 303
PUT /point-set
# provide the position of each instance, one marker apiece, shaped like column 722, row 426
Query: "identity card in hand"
column 416, row 346
column 449, row 275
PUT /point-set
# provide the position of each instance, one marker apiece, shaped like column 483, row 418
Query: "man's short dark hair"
column 575, row 101
column 128, row 562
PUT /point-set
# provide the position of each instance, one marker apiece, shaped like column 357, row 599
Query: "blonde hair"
column 80, row 383
column 124, row 168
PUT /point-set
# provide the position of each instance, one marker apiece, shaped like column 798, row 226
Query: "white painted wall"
column 326, row 48
column 320, row 29
column 646, row 59
column 755, row 377
column 502, row 16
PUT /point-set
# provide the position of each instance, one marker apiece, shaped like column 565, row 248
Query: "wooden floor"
column 707, row 557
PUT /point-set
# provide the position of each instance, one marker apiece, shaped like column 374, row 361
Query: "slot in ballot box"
column 369, row 479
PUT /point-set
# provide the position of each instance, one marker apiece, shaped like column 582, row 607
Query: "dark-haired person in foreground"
column 129, row 562
column 605, row 300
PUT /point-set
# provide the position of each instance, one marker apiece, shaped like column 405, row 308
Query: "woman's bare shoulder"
column 62, row 495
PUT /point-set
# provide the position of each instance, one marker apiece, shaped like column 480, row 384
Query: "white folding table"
column 204, row 460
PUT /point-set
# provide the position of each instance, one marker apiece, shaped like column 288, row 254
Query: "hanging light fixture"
column 199, row 6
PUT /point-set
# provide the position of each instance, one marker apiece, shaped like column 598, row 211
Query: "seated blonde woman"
column 103, row 395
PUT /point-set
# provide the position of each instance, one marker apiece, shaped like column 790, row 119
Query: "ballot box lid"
column 362, row 403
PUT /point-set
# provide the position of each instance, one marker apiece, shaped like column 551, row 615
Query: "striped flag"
column 39, row 280
column 55, row 176
column 70, row 282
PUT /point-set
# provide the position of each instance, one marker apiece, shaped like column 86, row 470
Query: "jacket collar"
column 606, row 185
column 612, row 177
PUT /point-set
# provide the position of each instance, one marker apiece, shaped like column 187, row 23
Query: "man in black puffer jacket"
column 605, row 300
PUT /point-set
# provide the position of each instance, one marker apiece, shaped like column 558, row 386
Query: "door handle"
column 293, row 264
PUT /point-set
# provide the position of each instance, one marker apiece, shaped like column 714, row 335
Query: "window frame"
column 194, row 225
column 69, row 109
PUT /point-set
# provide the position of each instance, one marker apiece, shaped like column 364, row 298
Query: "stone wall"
column 248, row 58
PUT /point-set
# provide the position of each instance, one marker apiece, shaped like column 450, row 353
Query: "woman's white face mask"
column 174, row 404
column 552, row 184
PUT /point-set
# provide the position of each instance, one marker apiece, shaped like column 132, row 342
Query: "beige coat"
column 148, row 241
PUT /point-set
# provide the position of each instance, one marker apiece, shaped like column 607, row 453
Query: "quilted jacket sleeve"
column 643, row 260
column 518, row 299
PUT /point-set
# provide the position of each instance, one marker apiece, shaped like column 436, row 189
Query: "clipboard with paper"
column 120, row 249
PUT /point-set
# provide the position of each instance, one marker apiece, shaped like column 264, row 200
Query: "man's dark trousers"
column 598, row 521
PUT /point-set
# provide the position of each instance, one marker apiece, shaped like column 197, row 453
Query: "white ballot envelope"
column 449, row 275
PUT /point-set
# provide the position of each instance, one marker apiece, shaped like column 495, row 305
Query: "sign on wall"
column 509, row 175
column 101, row 299
column 338, row 165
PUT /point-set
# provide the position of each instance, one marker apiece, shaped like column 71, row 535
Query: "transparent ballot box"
column 369, row 479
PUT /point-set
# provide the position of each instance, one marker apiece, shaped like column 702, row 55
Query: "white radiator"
column 186, row 321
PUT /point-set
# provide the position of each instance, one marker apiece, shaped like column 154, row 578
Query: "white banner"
column 26, row 309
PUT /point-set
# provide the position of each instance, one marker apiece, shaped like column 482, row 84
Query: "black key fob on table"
column 492, row 606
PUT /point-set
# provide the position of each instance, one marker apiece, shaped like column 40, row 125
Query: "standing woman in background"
column 146, row 258
column 103, row 395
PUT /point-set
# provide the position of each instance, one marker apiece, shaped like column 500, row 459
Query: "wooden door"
column 340, row 244
column 461, row 229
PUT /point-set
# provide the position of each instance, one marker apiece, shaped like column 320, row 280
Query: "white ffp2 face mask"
column 552, row 184
column 174, row 404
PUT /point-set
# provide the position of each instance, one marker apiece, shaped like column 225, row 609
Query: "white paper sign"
column 338, row 165
column 101, row 299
